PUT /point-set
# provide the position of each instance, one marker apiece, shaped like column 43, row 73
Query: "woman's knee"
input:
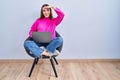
column 59, row 39
column 27, row 43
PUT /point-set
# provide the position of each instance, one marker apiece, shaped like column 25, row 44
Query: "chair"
column 52, row 59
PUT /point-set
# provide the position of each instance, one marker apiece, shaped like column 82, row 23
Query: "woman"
column 46, row 23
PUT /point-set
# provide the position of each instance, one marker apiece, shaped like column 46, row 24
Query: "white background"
column 90, row 28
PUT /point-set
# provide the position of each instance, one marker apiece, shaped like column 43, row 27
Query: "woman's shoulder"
column 38, row 19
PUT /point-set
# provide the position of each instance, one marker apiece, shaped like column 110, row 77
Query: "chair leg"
column 55, row 60
column 33, row 65
column 37, row 59
column 53, row 66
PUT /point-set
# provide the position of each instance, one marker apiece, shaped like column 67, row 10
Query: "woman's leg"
column 56, row 42
column 33, row 47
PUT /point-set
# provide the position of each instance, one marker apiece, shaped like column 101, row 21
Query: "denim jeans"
column 35, row 47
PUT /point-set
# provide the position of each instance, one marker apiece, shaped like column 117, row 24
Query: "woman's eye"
column 43, row 10
column 48, row 9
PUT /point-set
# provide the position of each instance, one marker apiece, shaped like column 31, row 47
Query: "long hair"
column 41, row 12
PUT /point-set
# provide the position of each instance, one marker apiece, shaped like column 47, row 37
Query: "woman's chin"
column 46, row 16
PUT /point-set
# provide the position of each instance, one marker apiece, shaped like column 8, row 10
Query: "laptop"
column 42, row 37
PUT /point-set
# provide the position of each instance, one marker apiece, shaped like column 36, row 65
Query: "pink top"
column 46, row 24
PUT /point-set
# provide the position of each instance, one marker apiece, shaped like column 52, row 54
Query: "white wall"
column 90, row 28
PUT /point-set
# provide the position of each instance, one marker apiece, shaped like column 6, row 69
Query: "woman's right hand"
column 52, row 7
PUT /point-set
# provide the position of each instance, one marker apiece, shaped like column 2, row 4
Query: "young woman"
column 46, row 23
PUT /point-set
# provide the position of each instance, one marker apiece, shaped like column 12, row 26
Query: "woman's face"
column 46, row 12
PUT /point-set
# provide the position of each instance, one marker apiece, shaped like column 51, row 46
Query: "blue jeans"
column 35, row 47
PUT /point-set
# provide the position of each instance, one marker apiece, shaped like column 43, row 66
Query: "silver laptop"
column 42, row 37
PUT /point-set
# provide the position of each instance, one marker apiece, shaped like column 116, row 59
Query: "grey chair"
column 52, row 59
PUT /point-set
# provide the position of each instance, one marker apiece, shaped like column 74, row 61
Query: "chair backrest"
column 59, row 48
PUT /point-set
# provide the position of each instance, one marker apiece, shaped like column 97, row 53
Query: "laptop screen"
column 42, row 37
